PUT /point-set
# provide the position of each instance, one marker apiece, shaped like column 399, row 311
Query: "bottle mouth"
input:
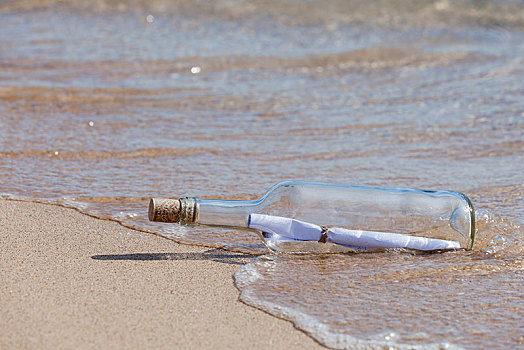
column 189, row 210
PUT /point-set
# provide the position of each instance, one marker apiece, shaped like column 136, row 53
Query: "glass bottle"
column 373, row 211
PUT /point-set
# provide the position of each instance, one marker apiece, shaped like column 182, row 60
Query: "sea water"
column 107, row 103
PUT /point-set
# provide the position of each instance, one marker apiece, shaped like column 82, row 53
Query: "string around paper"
column 324, row 232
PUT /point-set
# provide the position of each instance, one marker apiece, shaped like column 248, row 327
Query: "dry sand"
column 71, row 281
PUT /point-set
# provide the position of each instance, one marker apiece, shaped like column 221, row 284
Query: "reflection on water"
column 105, row 104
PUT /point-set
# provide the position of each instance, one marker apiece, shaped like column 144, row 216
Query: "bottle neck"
column 218, row 212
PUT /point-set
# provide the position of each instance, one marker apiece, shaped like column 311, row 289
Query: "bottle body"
column 444, row 215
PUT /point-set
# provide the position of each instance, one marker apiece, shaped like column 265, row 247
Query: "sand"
column 72, row 281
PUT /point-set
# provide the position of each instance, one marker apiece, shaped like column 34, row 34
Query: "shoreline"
column 69, row 280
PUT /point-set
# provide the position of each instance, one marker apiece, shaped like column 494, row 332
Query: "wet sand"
column 71, row 281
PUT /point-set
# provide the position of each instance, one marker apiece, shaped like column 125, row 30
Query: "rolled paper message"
column 291, row 229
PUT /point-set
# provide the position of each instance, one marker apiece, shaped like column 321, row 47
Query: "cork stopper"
column 183, row 211
column 164, row 210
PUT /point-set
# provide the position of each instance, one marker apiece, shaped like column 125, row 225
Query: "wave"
column 396, row 299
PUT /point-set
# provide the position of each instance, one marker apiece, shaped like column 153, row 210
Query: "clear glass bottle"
column 439, row 215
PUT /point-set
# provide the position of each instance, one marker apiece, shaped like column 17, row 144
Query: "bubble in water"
column 389, row 336
column 497, row 235
column 150, row 19
column 124, row 215
column 195, row 70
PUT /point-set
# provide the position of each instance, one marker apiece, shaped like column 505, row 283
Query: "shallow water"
column 107, row 104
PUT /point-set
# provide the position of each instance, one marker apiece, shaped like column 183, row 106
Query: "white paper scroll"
column 291, row 229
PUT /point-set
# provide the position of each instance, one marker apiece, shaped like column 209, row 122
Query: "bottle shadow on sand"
column 212, row 254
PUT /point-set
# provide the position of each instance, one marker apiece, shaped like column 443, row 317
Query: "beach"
column 106, row 104
column 73, row 281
